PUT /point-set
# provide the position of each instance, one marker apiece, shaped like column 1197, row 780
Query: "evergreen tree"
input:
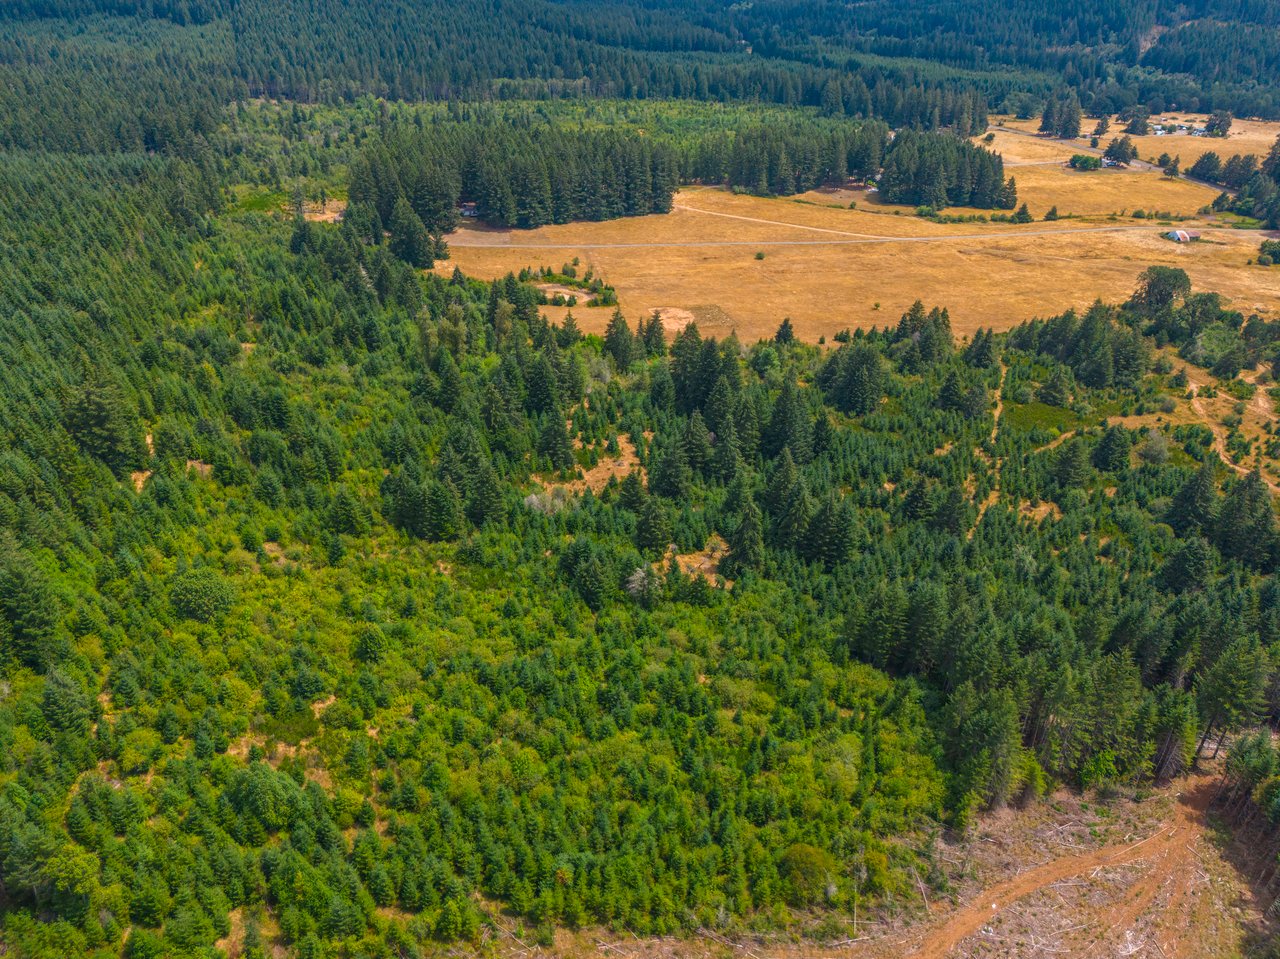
column 443, row 513
column 696, row 444
column 726, row 459
column 1071, row 466
column 790, row 426
column 1194, row 506
column 29, row 609
column 409, row 238
column 829, row 536
column 618, row 341
column 485, row 505
column 1246, row 524
column 1056, row 391
column 102, row 423
column 793, row 517
column 1230, row 695
column 1189, row 566
column 1112, row 452
column 670, row 475
column 653, row 528
column 554, row 443
column 746, row 543
column 854, row 379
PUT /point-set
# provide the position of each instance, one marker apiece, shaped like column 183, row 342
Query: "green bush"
column 201, row 594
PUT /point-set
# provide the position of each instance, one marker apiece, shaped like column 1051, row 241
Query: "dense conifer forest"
column 311, row 628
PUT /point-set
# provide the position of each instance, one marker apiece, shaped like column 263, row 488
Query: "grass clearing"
column 828, row 267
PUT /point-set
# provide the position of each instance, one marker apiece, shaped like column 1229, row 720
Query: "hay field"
column 829, row 268
column 1101, row 192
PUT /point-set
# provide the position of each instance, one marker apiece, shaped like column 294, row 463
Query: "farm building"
column 1182, row 236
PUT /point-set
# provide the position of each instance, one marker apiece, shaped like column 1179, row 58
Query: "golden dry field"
column 828, row 267
column 1246, row 136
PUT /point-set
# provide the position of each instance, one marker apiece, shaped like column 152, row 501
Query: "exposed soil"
column 584, row 297
column 705, row 562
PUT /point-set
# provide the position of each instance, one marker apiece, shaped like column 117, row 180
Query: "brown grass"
column 829, row 268
column 331, row 212
column 606, row 468
column 705, row 562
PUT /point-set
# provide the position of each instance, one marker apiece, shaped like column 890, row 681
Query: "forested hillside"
column 300, row 624
column 350, row 607
column 93, row 73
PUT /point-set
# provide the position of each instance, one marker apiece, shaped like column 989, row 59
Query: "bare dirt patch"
column 559, row 289
column 1040, row 511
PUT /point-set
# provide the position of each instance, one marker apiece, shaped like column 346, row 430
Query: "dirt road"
column 496, row 239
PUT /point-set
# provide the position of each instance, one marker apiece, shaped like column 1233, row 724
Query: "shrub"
column 201, row 594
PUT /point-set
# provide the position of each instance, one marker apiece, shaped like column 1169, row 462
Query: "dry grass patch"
column 609, row 466
column 330, row 212
column 705, row 562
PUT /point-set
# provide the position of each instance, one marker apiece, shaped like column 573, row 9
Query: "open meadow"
column 737, row 262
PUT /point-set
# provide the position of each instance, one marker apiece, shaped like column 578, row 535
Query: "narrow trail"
column 992, row 497
column 1166, row 854
column 1262, row 403
column 999, row 411
column 1194, row 386
column 756, row 219
column 1057, row 441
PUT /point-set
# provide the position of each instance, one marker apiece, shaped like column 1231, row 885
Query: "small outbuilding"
column 1182, row 236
